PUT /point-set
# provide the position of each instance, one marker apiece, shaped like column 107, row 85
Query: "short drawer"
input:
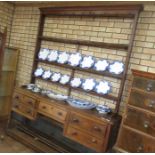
column 86, row 140
column 59, row 114
column 45, row 108
column 17, row 97
column 90, row 126
column 29, row 101
column 143, row 101
column 24, row 110
column 141, row 121
column 133, row 142
column 144, row 84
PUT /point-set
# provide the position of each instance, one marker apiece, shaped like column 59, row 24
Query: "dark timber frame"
column 117, row 11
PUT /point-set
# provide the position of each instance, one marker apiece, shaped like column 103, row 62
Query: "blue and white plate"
column 38, row 72
column 103, row 87
column 75, row 59
column 64, row 79
column 87, row 62
column 76, row 82
column 43, row 53
column 101, row 65
column 63, row 58
column 55, row 77
column 47, row 74
column 116, row 67
column 89, row 84
column 81, row 104
column 53, row 55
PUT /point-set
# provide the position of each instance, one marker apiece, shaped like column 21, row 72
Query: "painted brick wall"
column 24, row 31
column 6, row 16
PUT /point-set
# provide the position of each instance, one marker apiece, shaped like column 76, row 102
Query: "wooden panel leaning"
column 137, row 133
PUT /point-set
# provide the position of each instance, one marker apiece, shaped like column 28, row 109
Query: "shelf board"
column 86, row 43
column 105, row 73
column 110, row 97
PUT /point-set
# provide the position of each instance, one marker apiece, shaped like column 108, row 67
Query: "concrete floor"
column 9, row 145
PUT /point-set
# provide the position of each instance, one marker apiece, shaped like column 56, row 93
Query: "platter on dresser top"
column 39, row 72
column 81, row 104
column 64, row 79
column 47, row 74
column 56, row 96
column 87, row 62
column 89, row 84
column 76, row 82
column 74, row 59
column 63, row 57
column 103, row 87
column 55, row 77
column 116, row 67
column 101, row 65
column 53, row 55
column 43, row 53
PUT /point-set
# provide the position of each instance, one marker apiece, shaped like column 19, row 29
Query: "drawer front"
column 134, row 142
column 17, row 97
column 141, row 121
column 93, row 127
column 59, row 114
column 45, row 108
column 29, row 101
column 142, row 101
column 84, row 139
column 144, row 84
column 24, row 110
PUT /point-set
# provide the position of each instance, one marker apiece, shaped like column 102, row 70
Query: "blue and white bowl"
column 103, row 109
column 116, row 67
column 43, row 53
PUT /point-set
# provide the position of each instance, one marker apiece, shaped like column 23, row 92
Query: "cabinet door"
column 133, row 142
column 141, row 121
column 143, row 101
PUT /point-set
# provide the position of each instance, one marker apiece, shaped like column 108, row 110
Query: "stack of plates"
column 103, row 109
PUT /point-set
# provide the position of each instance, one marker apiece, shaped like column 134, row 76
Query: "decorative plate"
column 80, row 104
column 116, row 67
column 101, row 65
column 43, row 53
column 88, row 84
column 38, row 72
column 103, row 87
column 76, row 82
column 47, row 74
column 55, row 77
column 103, row 109
column 87, row 62
column 75, row 59
column 64, row 79
column 53, row 55
column 63, row 58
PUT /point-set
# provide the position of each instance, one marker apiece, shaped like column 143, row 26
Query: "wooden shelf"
column 106, row 73
column 86, row 43
column 110, row 97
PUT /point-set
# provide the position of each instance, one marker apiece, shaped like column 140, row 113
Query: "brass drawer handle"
column 75, row 120
column 30, row 102
column 94, row 140
column 74, row 133
column 28, row 111
column 97, row 128
column 149, row 87
column 44, row 107
column 16, row 97
column 60, row 113
column 16, row 106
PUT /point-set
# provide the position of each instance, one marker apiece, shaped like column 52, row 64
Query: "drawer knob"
column 28, row 111
column 140, row 149
column 149, row 87
column 75, row 120
column 16, row 97
column 60, row 113
column 30, row 102
column 44, row 107
column 74, row 133
column 94, row 140
column 97, row 128
column 151, row 104
column 146, row 124
column 16, row 106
